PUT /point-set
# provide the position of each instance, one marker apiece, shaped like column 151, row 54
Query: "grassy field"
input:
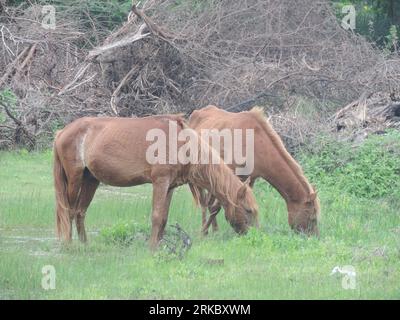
column 271, row 263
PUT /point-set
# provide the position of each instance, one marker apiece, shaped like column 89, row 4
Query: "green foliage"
column 8, row 97
column 57, row 125
column 102, row 16
column 392, row 38
column 122, row 234
column 371, row 170
column 270, row 263
column 255, row 238
column 377, row 20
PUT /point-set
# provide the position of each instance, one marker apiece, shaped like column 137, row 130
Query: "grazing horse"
column 272, row 162
column 114, row 151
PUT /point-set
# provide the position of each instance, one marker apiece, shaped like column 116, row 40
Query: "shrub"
column 375, row 19
column 123, row 233
column 371, row 170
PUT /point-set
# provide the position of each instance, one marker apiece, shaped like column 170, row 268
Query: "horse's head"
column 244, row 213
column 303, row 215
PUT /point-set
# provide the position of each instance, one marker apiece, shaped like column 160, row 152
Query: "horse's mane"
column 258, row 113
column 217, row 178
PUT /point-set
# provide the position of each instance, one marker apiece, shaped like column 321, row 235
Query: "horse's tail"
column 62, row 206
column 197, row 194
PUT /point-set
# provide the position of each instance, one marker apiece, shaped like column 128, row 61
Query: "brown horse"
column 113, row 151
column 272, row 162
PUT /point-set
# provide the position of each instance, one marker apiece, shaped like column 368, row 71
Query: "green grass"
column 271, row 263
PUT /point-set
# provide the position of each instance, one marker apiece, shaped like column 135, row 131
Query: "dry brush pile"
column 176, row 56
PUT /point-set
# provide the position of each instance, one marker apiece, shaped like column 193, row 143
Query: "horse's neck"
column 285, row 175
column 226, row 190
column 217, row 179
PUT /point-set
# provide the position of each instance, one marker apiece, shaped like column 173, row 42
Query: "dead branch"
column 361, row 101
column 118, row 44
column 27, row 60
column 118, row 89
column 19, row 124
column 78, row 75
column 11, row 66
column 179, row 57
column 89, row 79
column 153, row 27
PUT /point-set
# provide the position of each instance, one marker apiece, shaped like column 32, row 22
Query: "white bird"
column 348, row 270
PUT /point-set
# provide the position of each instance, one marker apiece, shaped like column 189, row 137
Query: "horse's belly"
column 125, row 182
column 116, row 172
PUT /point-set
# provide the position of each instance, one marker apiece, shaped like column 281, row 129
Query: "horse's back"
column 212, row 117
column 94, row 124
column 113, row 149
column 204, row 117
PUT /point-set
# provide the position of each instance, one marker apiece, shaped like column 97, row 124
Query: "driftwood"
column 371, row 113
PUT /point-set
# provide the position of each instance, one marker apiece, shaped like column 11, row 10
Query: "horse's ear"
column 242, row 191
column 247, row 182
column 312, row 196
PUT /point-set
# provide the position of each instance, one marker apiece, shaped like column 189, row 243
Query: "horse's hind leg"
column 88, row 189
column 74, row 178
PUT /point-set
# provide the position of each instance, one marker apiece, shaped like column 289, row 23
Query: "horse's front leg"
column 162, row 194
column 204, row 199
column 204, row 219
column 214, row 207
